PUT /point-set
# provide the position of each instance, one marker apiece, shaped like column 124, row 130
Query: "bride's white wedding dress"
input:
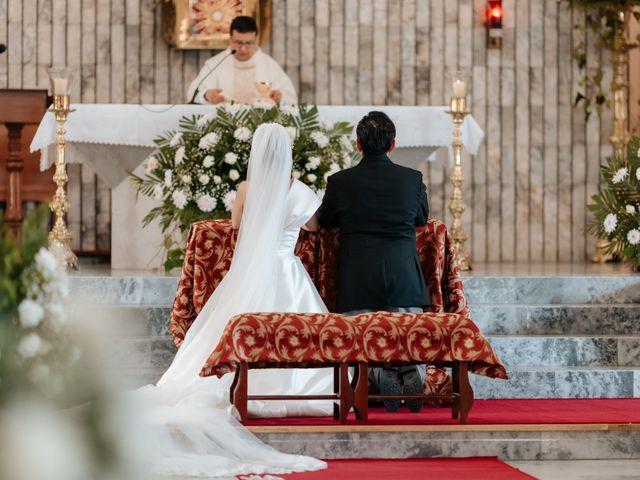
column 194, row 430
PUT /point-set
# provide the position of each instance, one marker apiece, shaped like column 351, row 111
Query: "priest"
column 231, row 76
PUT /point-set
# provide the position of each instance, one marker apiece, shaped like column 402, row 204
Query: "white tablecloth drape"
column 138, row 125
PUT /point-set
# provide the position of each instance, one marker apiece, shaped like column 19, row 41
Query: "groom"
column 377, row 205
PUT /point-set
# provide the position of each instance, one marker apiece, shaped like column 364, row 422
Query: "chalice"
column 263, row 89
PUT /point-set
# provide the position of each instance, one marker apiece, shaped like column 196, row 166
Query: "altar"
column 114, row 139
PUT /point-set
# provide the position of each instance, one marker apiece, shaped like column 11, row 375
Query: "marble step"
column 586, row 320
column 150, row 289
column 525, row 382
column 545, row 443
column 515, row 352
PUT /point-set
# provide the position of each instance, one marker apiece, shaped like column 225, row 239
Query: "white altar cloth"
column 138, row 125
column 114, row 139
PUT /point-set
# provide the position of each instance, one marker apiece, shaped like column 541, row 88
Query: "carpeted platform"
column 494, row 412
column 478, row 468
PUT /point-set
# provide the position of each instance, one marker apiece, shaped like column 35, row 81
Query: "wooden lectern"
column 20, row 112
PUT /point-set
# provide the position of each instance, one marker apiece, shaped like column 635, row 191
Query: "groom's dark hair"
column 243, row 24
column 375, row 133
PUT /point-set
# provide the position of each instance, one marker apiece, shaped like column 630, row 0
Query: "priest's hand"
column 276, row 95
column 214, row 95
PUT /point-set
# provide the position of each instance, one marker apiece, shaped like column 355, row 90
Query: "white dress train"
column 194, row 429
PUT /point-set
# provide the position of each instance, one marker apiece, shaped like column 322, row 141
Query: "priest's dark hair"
column 243, row 24
column 375, row 133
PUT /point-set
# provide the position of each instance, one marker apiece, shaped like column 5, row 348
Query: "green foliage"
column 602, row 18
column 619, row 200
column 196, row 170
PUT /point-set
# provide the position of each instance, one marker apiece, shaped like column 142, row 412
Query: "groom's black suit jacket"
column 377, row 205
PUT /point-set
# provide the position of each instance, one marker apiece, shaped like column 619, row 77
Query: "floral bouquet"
column 617, row 207
column 45, row 369
column 196, row 170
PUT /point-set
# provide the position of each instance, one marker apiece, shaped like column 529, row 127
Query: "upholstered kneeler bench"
column 291, row 340
column 443, row 337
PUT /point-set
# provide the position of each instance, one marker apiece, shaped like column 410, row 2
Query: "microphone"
column 193, row 98
column 3, row 48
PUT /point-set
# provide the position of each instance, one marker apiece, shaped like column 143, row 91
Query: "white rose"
column 229, row 200
column 620, row 175
column 233, row 174
column 633, row 236
column 320, row 138
column 610, row 222
column 638, row 173
column 295, row 174
column 46, row 263
column 175, row 140
column 30, row 346
column 242, row 133
column 293, row 133
column 157, row 191
column 30, row 313
column 208, row 161
column 311, row 177
column 231, row 158
column 630, row 209
column 179, row 158
column 179, row 199
column 217, row 180
column 204, row 179
column 203, row 120
column 206, row 203
column 152, row 163
column 208, row 141
column 186, row 179
column 168, row 178
column 638, row 153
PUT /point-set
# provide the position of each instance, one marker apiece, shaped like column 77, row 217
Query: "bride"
column 194, row 430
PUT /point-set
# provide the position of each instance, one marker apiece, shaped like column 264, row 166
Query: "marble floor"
column 581, row 469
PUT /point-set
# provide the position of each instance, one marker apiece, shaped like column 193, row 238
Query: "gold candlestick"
column 456, row 205
column 59, row 236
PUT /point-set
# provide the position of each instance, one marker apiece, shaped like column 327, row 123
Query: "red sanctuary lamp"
column 494, row 23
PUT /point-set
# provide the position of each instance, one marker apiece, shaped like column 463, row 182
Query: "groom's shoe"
column 390, row 385
column 412, row 385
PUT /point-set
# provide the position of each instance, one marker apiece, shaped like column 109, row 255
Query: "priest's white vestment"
column 224, row 77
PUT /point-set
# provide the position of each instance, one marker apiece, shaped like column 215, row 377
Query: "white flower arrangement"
column 229, row 200
column 213, row 152
column 617, row 207
column 620, row 175
column 610, row 223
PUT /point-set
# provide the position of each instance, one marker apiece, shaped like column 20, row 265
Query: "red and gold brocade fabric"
column 210, row 247
column 309, row 340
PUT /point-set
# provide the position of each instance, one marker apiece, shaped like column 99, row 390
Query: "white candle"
column 459, row 89
column 60, row 86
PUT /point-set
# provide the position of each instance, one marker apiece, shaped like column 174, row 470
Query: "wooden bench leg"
column 240, row 390
column 455, row 387
column 462, row 386
column 346, row 393
column 336, row 390
column 361, row 401
column 232, row 389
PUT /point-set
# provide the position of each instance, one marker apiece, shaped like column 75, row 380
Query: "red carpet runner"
column 478, row 468
column 496, row 412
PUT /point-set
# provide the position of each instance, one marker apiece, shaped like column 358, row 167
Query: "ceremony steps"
column 562, row 331
column 560, row 334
